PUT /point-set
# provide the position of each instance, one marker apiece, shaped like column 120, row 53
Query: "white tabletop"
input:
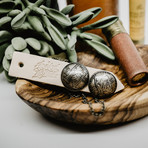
column 22, row 127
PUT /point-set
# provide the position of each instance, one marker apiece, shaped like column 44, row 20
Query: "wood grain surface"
column 55, row 102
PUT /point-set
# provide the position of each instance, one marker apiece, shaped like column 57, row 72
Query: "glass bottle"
column 137, row 20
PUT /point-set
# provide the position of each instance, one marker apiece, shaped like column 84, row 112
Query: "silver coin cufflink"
column 75, row 77
column 102, row 84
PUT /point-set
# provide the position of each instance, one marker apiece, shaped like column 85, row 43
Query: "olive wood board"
column 51, row 101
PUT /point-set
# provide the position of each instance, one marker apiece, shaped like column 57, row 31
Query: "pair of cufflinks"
column 75, row 77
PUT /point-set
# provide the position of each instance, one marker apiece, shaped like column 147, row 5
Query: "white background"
column 22, row 127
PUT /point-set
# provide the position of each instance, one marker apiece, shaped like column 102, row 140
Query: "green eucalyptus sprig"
column 73, row 33
column 38, row 27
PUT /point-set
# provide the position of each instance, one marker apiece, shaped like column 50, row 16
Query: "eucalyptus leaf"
column 57, row 16
column 9, row 52
column 95, row 11
column 85, row 36
column 2, row 50
column 5, row 36
column 50, row 50
column 61, row 30
column 101, row 49
column 14, row 12
column 34, row 43
column 94, row 37
column 72, row 41
column 35, row 22
column 4, row 20
column 72, row 55
column 67, row 9
column 84, row 17
column 45, row 49
column 47, row 23
column 6, row 64
column 9, row 78
column 39, row 11
column 18, row 43
column 20, row 18
column 102, row 23
column 46, row 36
column 52, row 4
column 26, row 50
column 6, row 6
column 57, row 37
column 24, row 26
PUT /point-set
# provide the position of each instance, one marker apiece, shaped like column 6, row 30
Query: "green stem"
column 39, row 3
column 72, row 55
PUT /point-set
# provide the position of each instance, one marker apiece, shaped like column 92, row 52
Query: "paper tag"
column 44, row 70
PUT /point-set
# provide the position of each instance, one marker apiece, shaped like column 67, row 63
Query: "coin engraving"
column 75, row 76
column 102, row 84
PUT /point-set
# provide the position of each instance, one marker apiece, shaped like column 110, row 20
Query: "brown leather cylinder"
column 129, row 58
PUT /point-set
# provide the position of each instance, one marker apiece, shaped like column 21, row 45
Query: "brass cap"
column 140, row 78
column 113, row 30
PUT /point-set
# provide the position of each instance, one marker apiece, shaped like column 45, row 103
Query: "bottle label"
column 137, row 19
